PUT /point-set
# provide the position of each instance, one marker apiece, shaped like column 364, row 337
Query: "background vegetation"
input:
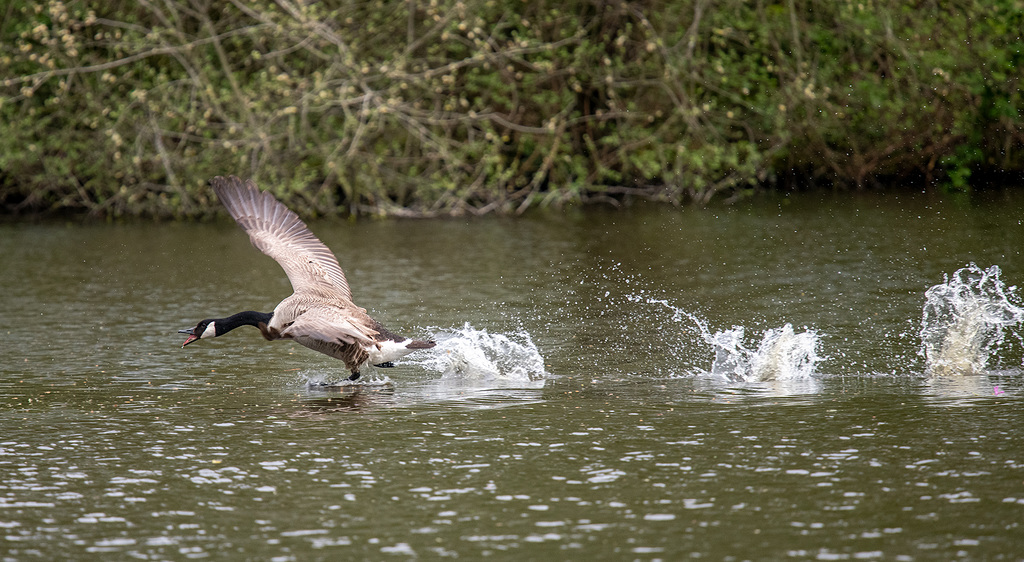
column 437, row 107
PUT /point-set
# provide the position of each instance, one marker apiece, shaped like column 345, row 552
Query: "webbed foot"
column 386, row 365
column 354, row 376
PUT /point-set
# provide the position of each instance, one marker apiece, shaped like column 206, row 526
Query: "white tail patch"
column 389, row 351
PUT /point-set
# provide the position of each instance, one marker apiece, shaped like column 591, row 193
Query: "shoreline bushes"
column 439, row 107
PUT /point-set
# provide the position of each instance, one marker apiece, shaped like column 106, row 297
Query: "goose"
column 320, row 313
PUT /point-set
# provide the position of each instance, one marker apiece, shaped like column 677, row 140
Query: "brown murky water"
column 583, row 401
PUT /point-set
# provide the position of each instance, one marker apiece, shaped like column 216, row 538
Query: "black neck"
column 247, row 318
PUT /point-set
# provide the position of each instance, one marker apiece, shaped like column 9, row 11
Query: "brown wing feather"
column 329, row 327
column 279, row 233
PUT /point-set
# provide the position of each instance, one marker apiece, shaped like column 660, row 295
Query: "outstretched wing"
column 280, row 233
column 326, row 326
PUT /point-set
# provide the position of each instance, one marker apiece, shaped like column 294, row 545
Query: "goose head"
column 204, row 329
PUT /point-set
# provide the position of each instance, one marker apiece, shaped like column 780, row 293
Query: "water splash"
column 328, row 379
column 470, row 354
column 782, row 354
column 965, row 321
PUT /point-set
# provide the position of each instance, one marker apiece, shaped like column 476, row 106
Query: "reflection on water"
column 583, row 400
column 786, row 387
column 956, row 388
column 380, row 395
column 965, row 390
column 328, row 379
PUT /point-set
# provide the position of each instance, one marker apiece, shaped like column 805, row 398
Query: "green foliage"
column 475, row 106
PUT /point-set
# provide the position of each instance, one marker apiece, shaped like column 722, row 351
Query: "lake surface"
column 650, row 383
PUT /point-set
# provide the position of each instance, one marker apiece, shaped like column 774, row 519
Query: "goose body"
column 320, row 313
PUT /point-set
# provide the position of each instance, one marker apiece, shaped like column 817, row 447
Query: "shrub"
column 475, row 106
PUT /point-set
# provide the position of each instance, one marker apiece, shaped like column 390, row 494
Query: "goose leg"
column 355, row 375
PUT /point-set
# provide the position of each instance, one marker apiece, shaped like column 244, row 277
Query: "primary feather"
column 320, row 313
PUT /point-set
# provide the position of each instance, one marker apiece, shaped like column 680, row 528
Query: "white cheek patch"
column 210, row 331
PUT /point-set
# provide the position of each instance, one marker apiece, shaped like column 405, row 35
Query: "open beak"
column 191, row 336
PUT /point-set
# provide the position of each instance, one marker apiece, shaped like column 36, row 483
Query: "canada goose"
column 320, row 313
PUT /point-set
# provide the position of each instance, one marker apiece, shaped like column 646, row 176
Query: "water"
column 802, row 378
column 475, row 355
column 781, row 355
column 966, row 319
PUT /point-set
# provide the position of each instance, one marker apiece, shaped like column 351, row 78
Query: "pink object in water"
column 996, row 391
